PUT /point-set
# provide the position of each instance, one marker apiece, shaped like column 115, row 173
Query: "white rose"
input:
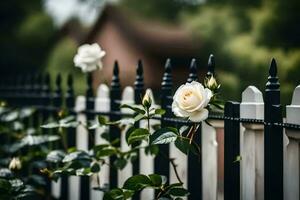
column 89, row 57
column 190, row 100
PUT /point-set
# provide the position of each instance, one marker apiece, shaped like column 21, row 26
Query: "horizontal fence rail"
column 247, row 152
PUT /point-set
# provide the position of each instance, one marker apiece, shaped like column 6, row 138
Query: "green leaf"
column 5, row 186
column 16, row 184
column 126, row 122
column 114, row 194
column 95, row 167
column 134, row 108
column 5, row 173
column 178, row 192
column 120, row 163
column 183, row 144
column 94, row 126
column 238, row 159
column 73, row 124
column 139, row 117
column 11, row 116
column 26, row 112
column 32, row 140
column 67, row 119
column 128, row 132
column 138, row 135
column 104, row 150
column 173, row 186
column 84, row 172
column 128, row 193
column 152, row 150
column 55, row 156
column 102, row 120
column 77, row 155
column 105, row 136
column 160, row 111
column 162, row 131
column 50, row 125
column 183, row 129
column 71, row 149
column 156, row 180
column 137, row 182
column 165, row 138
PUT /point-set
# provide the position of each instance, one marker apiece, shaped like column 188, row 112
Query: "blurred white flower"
column 15, row 164
column 190, row 100
column 89, row 57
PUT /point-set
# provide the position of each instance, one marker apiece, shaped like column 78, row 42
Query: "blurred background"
column 43, row 36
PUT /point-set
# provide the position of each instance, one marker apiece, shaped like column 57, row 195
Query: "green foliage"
column 60, row 60
column 278, row 30
column 244, row 39
column 139, row 182
column 36, row 30
column 86, row 163
column 26, row 36
column 24, row 150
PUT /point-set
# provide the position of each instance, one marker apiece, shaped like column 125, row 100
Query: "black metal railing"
column 35, row 91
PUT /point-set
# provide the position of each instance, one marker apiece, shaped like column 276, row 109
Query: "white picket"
column 127, row 98
column 291, row 157
column 102, row 104
column 252, row 151
column 209, row 146
column 55, row 188
column 81, row 143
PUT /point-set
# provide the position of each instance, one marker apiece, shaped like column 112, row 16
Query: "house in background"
column 127, row 40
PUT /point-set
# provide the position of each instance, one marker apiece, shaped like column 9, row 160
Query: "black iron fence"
column 35, row 91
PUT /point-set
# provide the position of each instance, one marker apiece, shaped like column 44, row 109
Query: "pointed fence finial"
column 57, row 96
column 58, row 81
column 193, row 71
column 58, row 84
column 46, row 92
column 139, row 83
column 273, row 140
column 115, row 82
column 273, row 81
column 168, row 66
column 211, row 65
column 70, row 99
column 273, row 68
column 28, row 82
column 139, row 69
column 70, row 82
column 37, row 83
column 21, row 83
column 47, row 83
column 166, row 89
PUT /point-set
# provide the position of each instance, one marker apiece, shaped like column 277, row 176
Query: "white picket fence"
column 252, row 150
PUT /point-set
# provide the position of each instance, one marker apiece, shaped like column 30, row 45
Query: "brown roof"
column 153, row 37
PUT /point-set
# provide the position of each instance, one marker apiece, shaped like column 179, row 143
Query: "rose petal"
column 199, row 116
column 179, row 112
